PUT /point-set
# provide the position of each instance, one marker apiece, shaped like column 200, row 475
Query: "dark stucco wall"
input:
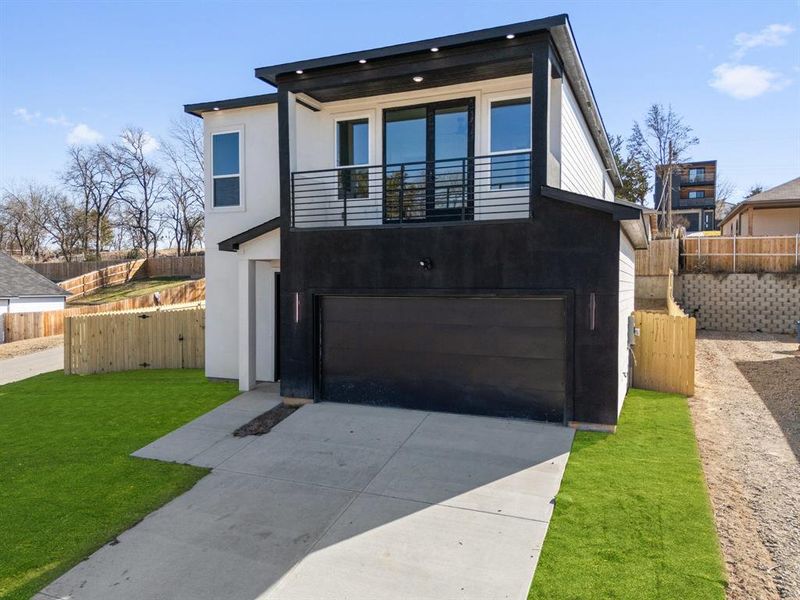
column 565, row 248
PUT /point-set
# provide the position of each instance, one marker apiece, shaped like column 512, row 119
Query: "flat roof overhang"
column 199, row 108
column 461, row 58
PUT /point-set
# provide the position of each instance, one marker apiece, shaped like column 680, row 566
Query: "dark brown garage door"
column 487, row 356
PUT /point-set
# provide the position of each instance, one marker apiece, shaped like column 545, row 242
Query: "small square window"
column 226, row 169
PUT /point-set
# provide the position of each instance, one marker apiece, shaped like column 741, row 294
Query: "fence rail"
column 22, row 326
column 664, row 353
column 171, row 338
column 94, row 280
column 750, row 254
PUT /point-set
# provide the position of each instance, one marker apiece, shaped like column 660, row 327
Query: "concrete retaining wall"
column 741, row 301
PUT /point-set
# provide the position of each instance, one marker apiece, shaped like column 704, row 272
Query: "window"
column 697, row 174
column 352, row 148
column 510, row 142
column 697, row 194
column 226, row 169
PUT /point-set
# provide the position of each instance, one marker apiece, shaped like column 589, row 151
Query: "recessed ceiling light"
column 299, row 71
column 216, row 108
column 434, row 49
column 362, row 61
column 510, row 36
column 417, row 78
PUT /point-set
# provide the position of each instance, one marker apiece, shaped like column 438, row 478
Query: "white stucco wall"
column 258, row 127
column 627, row 257
column 582, row 167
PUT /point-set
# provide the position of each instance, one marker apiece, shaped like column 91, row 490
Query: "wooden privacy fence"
column 22, row 326
column 173, row 266
column 664, row 353
column 658, row 258
column 94, row 280
column 61, row 271
column 771, row 254
column 172, row 338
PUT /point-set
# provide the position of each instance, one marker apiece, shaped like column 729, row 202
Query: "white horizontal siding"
column 626, row 299
column 582, row 168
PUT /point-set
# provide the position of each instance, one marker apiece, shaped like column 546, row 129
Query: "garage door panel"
column 524, row 342
column 473, row 370
column 496, row 356
column 515, row 312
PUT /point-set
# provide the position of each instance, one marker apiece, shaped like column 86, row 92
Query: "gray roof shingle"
column 785, row 191
column 18, row 280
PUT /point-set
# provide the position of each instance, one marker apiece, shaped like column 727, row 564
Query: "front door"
column 427, row 153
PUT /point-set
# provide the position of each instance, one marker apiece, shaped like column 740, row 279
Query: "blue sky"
column 82, row 71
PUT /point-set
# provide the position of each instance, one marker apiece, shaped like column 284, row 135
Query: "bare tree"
column 22, row 211
column 724, row 198
column 64, row 221
column 660, row 145
column 140, row 199
column 99, row 175
column 185, row 192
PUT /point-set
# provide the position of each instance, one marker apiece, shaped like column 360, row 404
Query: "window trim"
column 491, row 99
column 369, row 115
column 210, row 204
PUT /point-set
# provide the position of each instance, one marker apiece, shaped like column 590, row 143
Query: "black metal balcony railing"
column 706, row 179
column 459, row 189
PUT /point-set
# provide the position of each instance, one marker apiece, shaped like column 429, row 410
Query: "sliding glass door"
column 427, row 151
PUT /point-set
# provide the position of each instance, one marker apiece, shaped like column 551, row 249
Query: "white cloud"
column 83, row 134
column 59, row 120
column 771, row 35
column 746, row 81
column 26, row 115
column 150, row 144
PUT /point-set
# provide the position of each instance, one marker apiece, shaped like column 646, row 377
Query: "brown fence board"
column 658, row 259
column 152, row 338
column 21, row 326
column 775, row 254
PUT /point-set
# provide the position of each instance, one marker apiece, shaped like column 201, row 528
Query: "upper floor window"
column 697, row 194
column 352, row 148
column 509, row 139
column 697, row 174
column 226, row 169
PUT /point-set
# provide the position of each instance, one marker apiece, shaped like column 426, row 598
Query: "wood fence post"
column 67, row 346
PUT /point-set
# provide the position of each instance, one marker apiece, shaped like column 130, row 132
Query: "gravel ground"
column 746, row 412
column 23, row 347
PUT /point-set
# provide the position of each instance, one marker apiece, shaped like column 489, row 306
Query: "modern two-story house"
column 429, row 225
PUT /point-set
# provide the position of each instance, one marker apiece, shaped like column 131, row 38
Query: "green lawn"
column 633, row 519
column 67, row 484
column 130, row 289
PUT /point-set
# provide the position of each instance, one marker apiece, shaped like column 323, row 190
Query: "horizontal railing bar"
column 419, row 162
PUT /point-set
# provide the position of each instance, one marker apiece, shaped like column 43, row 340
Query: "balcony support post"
column 540, row 118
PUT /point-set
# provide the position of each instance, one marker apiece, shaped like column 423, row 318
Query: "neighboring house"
column 693, row 197
column 773, row 212
column 430, row 225
column 23, row 290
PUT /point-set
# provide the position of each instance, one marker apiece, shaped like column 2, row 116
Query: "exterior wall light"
column 426, row 264
column 417, row 78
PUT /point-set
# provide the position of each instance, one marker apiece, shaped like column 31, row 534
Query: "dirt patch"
column 265, row 422
column 23, row 347
column 745, row 412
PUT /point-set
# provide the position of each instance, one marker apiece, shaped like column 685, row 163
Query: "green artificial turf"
column 67, row 482
column 632, row 519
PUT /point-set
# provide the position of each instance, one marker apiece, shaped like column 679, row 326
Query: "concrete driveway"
column 340, row 502
column 28, row 365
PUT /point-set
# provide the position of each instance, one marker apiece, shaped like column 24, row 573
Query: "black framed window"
column 697, row 194
column 697, row 174
column 352, row 148
column 509, row 136
column 226, row 169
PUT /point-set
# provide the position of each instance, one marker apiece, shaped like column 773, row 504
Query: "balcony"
column 448, row 190
column 706, row 179
column 707, row 202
